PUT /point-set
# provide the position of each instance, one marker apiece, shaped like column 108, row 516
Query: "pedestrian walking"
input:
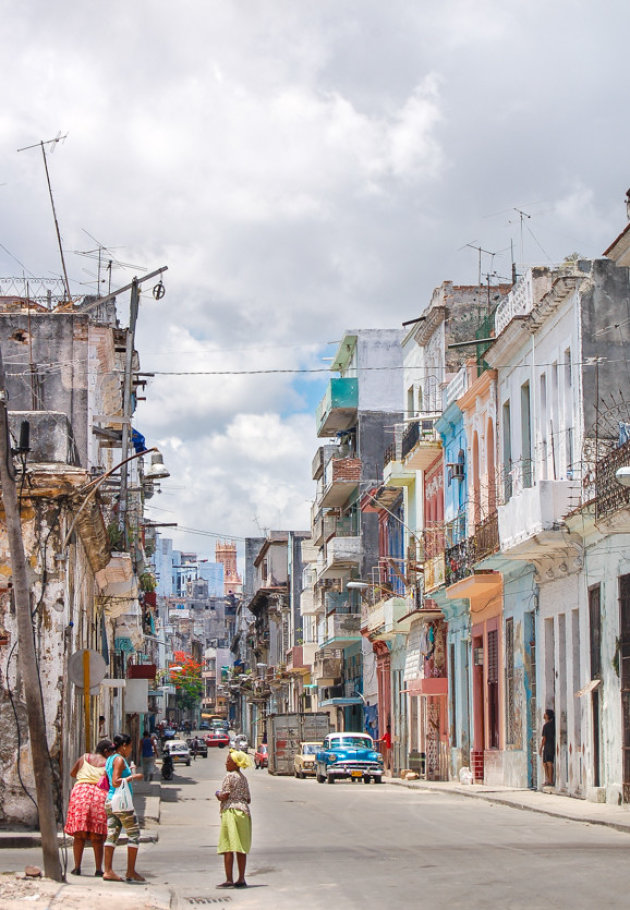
column 548, row 746
column 235, row 835
column 149, row 754
column 118, row 769
column 87, row 819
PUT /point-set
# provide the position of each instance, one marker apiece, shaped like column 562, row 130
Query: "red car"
column 218, row 738
column 261, row 756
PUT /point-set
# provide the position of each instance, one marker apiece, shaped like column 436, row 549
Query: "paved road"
column 350, row 845
column 356, row 846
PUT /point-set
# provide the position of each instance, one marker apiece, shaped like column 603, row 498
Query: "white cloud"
column 300, row 168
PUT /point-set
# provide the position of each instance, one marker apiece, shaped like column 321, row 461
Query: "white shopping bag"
column 122, row 800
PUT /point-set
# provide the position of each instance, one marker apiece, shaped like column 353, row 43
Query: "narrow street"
column 350, row 845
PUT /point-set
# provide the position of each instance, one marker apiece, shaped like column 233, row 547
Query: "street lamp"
column 622, row 475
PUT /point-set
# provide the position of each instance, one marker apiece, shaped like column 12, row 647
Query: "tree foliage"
column 187, row 681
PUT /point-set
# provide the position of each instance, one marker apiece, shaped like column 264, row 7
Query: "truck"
column 285, row 733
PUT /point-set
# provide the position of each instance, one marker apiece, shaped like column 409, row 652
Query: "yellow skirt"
column 235, row 835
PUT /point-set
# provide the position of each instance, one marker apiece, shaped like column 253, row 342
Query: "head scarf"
column 241, row 759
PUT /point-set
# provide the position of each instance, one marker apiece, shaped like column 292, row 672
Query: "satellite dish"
column 98, row 669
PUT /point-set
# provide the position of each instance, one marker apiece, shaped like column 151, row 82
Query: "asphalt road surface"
column 321, row 847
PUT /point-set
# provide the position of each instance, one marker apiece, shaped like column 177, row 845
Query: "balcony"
column 327, row 668
column 613, row 499
column 486, row 537
column 459, row 560
column 531, row 522
column 342, row 555
column 337, row 410
column 308, row 604
column 421, row 444
column 387, row 618
column 317, row 528
column 300, row 659
column 342, row 629
column 434, row 572
column 338, row 602
column 341, row 476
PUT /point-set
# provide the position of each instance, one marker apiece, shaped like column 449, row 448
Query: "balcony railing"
column 460, row 560
column 421, row 443
column 610, row 494
column 336, row 602
column 337, row 409
column 486, row 537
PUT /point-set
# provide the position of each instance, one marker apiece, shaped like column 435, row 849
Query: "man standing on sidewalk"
column 148, row 755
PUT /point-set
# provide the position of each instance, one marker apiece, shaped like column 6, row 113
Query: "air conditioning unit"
column 456, row 470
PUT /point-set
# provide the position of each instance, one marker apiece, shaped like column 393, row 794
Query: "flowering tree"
column 185, row 675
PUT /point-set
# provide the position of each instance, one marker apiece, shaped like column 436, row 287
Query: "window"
column 543, row 425
column 493, row 689
column 453, row 690
column 509, row 681
column 507, row 452
column 526, row 434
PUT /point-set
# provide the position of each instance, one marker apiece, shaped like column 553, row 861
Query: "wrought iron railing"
column 486, row 537
column 610, row 494
column 460, row 560
column 410, row 438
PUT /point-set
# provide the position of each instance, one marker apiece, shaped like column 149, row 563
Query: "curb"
column 513, row 802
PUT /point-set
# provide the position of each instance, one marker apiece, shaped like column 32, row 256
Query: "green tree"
column 185, row 675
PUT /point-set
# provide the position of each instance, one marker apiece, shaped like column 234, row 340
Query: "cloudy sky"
column 302, row 169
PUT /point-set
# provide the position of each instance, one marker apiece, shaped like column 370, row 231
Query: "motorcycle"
column 167, row 766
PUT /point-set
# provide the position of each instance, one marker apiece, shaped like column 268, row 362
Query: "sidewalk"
column 147, row 799
column 547, row 802
column 17, row 892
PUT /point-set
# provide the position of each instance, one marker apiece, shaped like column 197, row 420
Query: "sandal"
column 75, row 871
column 226, row 885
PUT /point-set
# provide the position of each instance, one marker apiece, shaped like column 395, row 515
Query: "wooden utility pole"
column 27, row 660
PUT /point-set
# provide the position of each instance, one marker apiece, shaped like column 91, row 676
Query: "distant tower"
column 225, row 553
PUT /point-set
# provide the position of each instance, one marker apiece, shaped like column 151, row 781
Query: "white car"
column 178, row 750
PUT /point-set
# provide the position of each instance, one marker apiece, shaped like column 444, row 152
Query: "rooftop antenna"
column 110, row 260
column 42, row 145
column 522, row 215
column 480, row 250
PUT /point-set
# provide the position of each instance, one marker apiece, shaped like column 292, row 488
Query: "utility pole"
column 27, row 659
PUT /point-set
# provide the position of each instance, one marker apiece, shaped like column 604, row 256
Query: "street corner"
column 18, row 891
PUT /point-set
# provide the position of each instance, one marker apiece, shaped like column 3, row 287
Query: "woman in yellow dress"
column 235, row 836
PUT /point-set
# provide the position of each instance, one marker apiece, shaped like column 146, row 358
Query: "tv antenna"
column 42, row 144
column 480, row 250
column 522, row 215
column 105, row 261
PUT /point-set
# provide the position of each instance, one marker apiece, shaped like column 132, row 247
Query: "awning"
column 340, row 702
column 589, row 687
column 431, row 687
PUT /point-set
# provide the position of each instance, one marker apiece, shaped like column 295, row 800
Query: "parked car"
column 350, row 755
column 178, row 750
column 261, row 756
column 304, row 761
column 204, row 725
column 201, row 747
column 218, row 738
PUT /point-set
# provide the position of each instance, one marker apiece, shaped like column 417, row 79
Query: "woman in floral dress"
column 86, row 818
column 235, row 836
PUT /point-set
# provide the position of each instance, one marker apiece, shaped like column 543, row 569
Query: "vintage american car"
column 349, row 755
column 304, row 761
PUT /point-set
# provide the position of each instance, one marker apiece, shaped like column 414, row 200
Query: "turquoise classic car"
column 350, row 755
